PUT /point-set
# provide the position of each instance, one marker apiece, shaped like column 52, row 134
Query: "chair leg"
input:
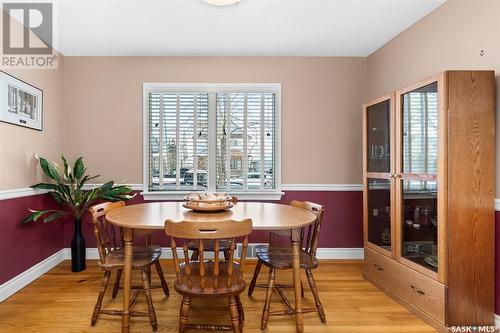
column 254, row 278
column 267, row 304
column 164, row 284
column 194, row 255
column 148, row 272
column 184, row 313
column 117, row 283
column 226, row 255
column 102, row 291
column 233, row 309
column 241, row 312
column 147, row 293
column 314, row 291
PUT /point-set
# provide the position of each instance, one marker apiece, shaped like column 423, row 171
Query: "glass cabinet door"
column 418, row 187
column 420, row 131
column 419, row 218
column 379, row 212
column 378, row 137
column 379, row 195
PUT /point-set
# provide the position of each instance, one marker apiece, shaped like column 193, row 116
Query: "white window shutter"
column 211, row 139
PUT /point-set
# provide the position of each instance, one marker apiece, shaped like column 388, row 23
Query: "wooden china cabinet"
column 429, row 171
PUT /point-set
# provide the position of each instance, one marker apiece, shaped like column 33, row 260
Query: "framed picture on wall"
column 20, row 102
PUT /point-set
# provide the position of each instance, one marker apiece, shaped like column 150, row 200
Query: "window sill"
column 179, row 195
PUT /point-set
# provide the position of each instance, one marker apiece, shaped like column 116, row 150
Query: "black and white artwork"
column 20, row 102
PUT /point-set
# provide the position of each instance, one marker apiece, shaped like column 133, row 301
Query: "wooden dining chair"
column 209, row 278
column 110, row 245
column 224, row 244
column 280, row 258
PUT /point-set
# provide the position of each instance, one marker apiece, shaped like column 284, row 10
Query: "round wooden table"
column 265, row 216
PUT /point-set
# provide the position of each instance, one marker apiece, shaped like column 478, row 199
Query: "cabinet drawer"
column 379, row 267
column 415, row 288
column 421, row 291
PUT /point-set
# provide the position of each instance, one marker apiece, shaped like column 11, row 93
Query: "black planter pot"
column 78, row 249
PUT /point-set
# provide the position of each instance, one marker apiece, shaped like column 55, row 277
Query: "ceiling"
column 249, row 28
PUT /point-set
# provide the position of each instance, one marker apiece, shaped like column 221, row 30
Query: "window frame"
column 211, row 89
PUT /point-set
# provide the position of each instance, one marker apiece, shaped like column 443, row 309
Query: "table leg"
column 299, row 318
column 128, row 235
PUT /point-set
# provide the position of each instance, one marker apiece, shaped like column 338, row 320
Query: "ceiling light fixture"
column 221, row 2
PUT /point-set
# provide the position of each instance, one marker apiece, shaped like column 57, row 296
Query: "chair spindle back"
column 199, row 232
column 108, row 237
column 310, row 235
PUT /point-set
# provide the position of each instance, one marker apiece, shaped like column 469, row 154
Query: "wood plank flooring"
column 61, row 301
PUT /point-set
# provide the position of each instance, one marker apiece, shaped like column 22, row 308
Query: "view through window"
column 216, row 141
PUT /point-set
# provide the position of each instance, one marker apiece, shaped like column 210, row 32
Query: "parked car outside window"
column 253, row 181
column 202, row 178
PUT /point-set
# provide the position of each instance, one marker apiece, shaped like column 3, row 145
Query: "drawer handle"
column 379, row 268
column 418, row 291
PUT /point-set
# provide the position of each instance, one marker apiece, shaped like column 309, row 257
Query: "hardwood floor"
column 61, row 301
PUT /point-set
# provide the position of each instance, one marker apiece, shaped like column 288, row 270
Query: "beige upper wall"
column 18, row 167
column 320, row 106
column 101, row 117
column 18, row 145
column 451, row 37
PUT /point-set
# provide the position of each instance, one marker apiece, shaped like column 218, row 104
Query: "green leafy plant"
column 67, row 190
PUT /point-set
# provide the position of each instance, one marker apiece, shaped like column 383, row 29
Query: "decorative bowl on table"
column 208, row 202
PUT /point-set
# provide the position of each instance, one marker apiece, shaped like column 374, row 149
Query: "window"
column 214, row 137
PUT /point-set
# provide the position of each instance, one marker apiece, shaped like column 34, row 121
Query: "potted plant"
column 67, row 190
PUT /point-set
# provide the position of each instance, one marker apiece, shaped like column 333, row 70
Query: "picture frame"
column 20, row 102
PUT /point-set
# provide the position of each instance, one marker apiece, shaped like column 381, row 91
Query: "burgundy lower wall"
column 22, row 246
column 342, row 226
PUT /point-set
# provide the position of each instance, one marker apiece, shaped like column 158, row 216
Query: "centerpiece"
column 208, row 202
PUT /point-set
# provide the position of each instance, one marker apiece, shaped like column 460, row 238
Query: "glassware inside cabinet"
column 378, row 136
column 419, row 230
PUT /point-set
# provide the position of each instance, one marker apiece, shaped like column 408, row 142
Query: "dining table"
column 264, row 216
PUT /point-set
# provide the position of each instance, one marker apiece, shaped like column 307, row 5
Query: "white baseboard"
column 322, row 253
column 91, row 253
column 31, row 274
column 340, row 253
column 22, row 280
column 497, row 321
